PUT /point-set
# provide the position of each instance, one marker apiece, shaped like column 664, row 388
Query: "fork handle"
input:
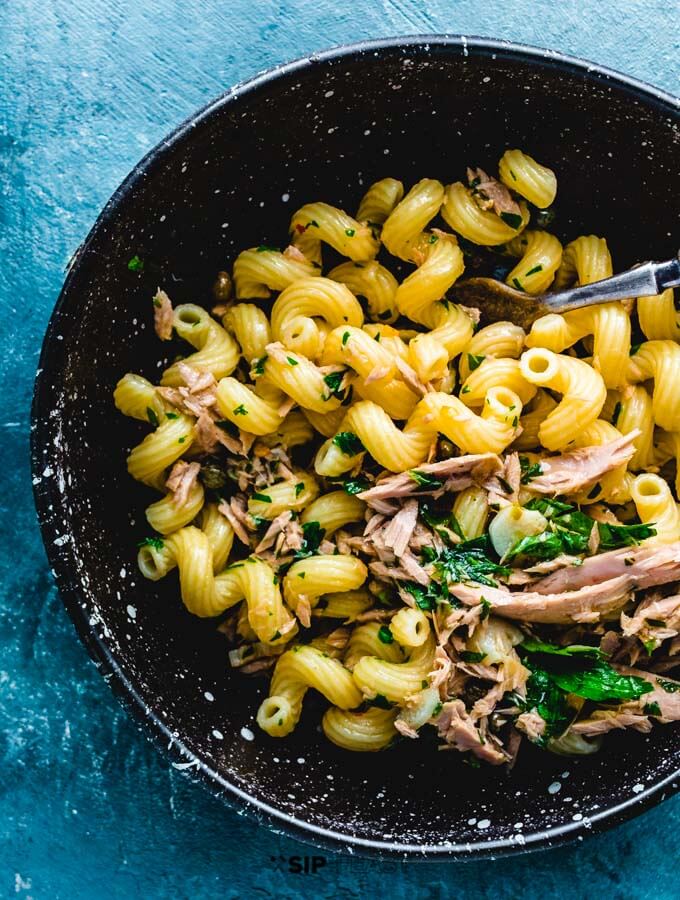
column 646, row 280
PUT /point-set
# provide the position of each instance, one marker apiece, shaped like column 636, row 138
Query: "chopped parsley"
column 518, row 284
column 538, row 268
column 333, row 381
column 155, row 542
column 345, row 338
column 182, row 439
column 136, row 264
column 671, row 687
column 263, row 498
column 355, row 485
column 348, row 443
column 171, row 415
column 291, row 361
column 313, row 534
column 240, row 410
column 299, row 488
column 385, row 636
column 433, row 239
column 152, row 416
column 652, row 709
column 474, row 362
column 258, row 365
column 350, row 232
column 470, row 656
column 467, row 561
column 422, row 479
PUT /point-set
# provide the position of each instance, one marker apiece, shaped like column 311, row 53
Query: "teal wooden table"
column 87, row 807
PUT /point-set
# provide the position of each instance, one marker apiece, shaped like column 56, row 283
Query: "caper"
column 222, row 287
column 213, row 477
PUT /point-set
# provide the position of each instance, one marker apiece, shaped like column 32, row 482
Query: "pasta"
column 426, row 522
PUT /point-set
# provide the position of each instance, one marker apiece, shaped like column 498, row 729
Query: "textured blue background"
column 87, row 808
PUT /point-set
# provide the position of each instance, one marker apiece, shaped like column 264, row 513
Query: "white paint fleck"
column 301, row 760
column 638, row 788
column 554, row 787
column 218, row 734
column 247, row 734
column 131, row 611
column 486, row 79
column 285, row 197
column 208, row 696
column 472, row 821
column 577, row 817
column 483, row 823
column 329, row 93
column 123, row 572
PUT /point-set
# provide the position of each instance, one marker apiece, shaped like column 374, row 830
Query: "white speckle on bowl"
column 132, row 612
column 486, row 79
column 472, row 821
column 218, row 734
column 637, row 788
column 208, row 696
column 247, row 734
column 285, row 197
column 123, row 573
column 577, row 817
column 554, row 787
column 483, row 823
column 329, row 93
column 301, row 760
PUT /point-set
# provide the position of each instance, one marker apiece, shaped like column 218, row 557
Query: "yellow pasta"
column 293, row 494
column 295, row 672
column 659, row 319
column 166, row 516
column 492, row 373
column 363, row 732
column 380, row 200
column 148, row 461
column 136, row 397
column 583, row 391
column 655, row 505
column 395, row 681
column 310, row 578
column 372, row 281
column 216, row 351
column 471, row 509
column 500, row 339
column 410, row 627
column 633, row 410
column 317, row 222
column 660, row 361
column 261, row 270
column 250, row 326
column 478, row 225
column 365, row 641
column 521, row 173
column 299, row 378
column 402, row 233
column 333, row 511
column 541, row 255
column 345, row 605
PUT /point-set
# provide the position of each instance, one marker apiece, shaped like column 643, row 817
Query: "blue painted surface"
column 87, row 807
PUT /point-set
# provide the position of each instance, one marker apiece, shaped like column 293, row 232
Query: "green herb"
column 598, row 681
column 313, row 534
column 437, row 709
column 546, row 545
column 546, row 698
column 155, row 542
column 264, row 248
column 258, row 365
column 422, row 479
column 333, row 381
column 263, row 498
column 350, row 232
column 650, row 646
column 652, row 709
column 533, row 271
column 486, row 609
column 614, row 536
column 474, row 362
column 314, row 223
column 171, row 415
column 301, row 574
column 671, row 687
column 634, row 348
column 299, row 488
column 442, row 525
column 376, row 336
column 348, row 443
column 433, row 239
column 151, row 416
column 426, row 598
column 181, row 440
column 385, row 635
column 511, row 219
column 533, row 645
column 345, row 338
column 467, row 562
column 617, row 413
column 470, row 656
column 136, row 264
column 507, row 488
column 466, row 389
column 291, row 361
column 518, row 284
column 355, row 485
column 240, row 410
column 275, row 637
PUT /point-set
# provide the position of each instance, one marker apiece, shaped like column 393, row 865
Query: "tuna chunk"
column 397, row 534
column 455, row 474
column 644, row 566
column 162, row 315
column 458, row 729
column 580, row 469
column 491, row 194
column 181, row 480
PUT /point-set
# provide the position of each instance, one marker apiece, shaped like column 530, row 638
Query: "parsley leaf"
column 313, row 534
column 474, row 362
column 136, row 264
column 155, row 542
column 422, row 479
column 152, row 416
column 529, row 470
column 385, row 636
column 333, row 381
column 355, row 485
column 263, row 498
column 348, row 443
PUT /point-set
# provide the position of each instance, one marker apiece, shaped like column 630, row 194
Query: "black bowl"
column 229, row 178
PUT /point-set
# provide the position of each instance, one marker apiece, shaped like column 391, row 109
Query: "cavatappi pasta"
column 425, row 518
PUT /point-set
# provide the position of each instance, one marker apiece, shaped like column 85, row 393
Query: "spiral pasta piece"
column 310, row 578
column 293, row 494
column 615, row 486
column 471, row 511
column 292, row 431
column 261, row 270
column 583, row 394
column 296, row 310
column 250, row 326
column 660, row 361
column 148, row 461
column 480, row 226
column 541, row 255
column 633, row 410
column 299, row 378
column 496, row 373
column 165, row 516
column 380, row 200
column 532, row 419
column 216, row 351
column 345, row 605
column 395, row 681
column 365, row 641
column 317, row 222
column 136, row 397
column 372, row 281
column 402, row 233
column 333, row 511
column 500, row 339
column 655, row 506
column 659, row 319
column 296, row 671
column 534, row 182
column 410, row 627
column 363, row 732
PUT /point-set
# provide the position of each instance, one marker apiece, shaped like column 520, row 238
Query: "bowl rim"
column 47, row 496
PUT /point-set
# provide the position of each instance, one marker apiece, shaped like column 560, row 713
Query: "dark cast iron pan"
column 323, row 129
